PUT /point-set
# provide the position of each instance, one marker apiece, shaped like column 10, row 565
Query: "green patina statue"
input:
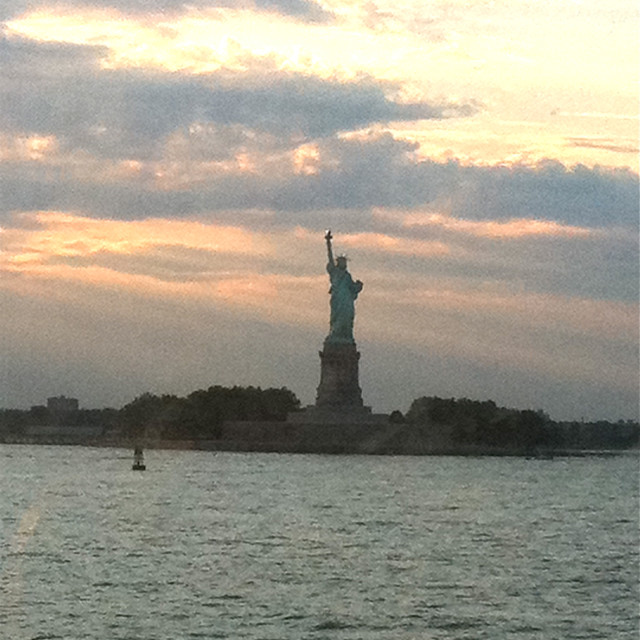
column 344, row 292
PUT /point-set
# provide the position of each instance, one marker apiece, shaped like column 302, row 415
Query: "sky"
column 168, row 169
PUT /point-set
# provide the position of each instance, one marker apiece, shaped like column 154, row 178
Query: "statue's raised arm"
column 328, row 237
column 344, row 292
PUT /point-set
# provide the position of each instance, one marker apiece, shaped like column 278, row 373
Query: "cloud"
column 136, row 143
column 391, row 245
column 598, row 115
column 452, row 299
column 349, row 175
column 15, row 8
column 517, row 228
column 598, row 266
column 162, row 230
column 130, row 113
column 23, row 60
column 549, row 190
column 63, row 234
column 519, row 329
column 214, row 260
column 305, row 10
column 606, row 144
column 384, row 172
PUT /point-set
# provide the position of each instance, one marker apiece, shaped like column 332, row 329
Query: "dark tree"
column 202, row 413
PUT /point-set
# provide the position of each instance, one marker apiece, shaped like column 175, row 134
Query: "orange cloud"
column 65, row 251
column 62, row 257
column 306, row 159
column 65, row 235
column 508, row 229
column 389, row 244
column 26, row 148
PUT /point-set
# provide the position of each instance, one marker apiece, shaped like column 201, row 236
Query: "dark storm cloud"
column 305, row 10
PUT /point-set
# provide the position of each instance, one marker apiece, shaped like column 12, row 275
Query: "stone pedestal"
column 339, row 397
column 339, row 388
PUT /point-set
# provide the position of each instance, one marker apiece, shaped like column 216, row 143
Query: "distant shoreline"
column 271, row 420
column 346, row 448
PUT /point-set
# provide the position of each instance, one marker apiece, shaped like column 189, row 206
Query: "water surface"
column 268, row 546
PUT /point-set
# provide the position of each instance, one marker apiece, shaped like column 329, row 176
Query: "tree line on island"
column 198, row 415
column 483, row 423
column 202, row 414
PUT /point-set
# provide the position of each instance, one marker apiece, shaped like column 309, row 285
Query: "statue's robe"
column 344, row 292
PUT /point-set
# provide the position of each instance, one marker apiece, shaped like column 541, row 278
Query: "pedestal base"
column 339, row 390
column 326, row 416
column 339, row 397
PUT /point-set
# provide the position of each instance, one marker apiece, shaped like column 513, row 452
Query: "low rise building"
column 62, row 404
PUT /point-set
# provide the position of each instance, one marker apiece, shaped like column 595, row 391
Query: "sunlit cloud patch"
column 493, row 228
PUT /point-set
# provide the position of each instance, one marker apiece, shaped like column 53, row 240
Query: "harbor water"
column 269, row 546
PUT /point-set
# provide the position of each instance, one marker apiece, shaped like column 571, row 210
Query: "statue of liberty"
column 344, row 292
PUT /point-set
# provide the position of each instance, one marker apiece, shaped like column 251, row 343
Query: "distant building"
column 62, row 404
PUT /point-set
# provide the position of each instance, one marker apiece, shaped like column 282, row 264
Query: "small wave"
column 294, row 616
column 332, row 624
column 526, row 628
column 448, row 624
